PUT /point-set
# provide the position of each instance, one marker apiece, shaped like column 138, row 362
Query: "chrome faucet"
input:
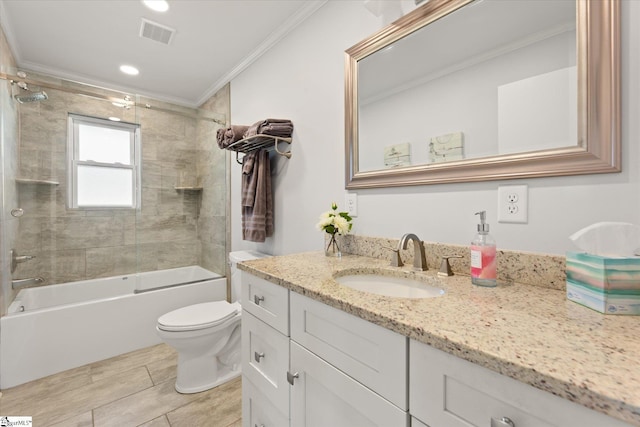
column 21, row 283
column 419, row 258
column 396, row 260
column 17, row 259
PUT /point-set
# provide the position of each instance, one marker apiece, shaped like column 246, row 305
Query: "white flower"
column 327, row 215
column 325, row 220
column 334, row 222
column 341, row 224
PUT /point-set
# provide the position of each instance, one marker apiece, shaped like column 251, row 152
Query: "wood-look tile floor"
column 134, row 389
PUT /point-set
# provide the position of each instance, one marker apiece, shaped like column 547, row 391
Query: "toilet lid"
column 197, row 316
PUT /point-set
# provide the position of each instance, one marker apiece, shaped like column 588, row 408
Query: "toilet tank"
column 234, row 258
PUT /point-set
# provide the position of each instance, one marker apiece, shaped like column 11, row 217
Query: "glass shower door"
column 8, row 193
column 181, row 222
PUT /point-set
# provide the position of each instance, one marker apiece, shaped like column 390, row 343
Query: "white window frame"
column 73, row 149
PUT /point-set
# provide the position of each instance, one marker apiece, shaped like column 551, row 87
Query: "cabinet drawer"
column 267, row 301
column 448, row 391
column 371, row 354
column 323, row 396
column 257, row 410
column 265, row 360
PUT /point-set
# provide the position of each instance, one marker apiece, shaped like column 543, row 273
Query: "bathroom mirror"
column 463, row 90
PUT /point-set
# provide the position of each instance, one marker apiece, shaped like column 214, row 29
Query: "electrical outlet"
column 351, row 201
column 512, row 204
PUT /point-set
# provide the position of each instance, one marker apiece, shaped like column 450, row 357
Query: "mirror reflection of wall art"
column 397, row 155
column 446, row 148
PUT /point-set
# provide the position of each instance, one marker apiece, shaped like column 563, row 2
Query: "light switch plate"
column 351, row 201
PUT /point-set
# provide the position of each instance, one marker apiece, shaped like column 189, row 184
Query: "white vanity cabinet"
column 257, row 409
column 306, row 364
column 322, row 396
column 266, row 301
column 416, row 423
column 347, row 371
column 335, row 369
column 265, row 353
column 448, row 391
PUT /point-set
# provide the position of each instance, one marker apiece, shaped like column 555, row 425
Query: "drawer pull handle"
column 502, row 422
column 256, row 425
column 257, row 299
column 258, row 356
column 291, row 377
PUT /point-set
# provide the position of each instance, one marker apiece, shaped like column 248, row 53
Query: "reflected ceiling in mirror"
column 469, row 91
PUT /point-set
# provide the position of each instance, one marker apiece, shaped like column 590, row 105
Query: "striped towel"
column 274, row 127
column 257, row 203
column 227, row 136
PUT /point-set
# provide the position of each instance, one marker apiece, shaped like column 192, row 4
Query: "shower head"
column 31, row 97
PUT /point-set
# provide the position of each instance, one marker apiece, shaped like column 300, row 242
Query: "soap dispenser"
column 483, row 255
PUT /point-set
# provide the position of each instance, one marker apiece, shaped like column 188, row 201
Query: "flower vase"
column 332, row 249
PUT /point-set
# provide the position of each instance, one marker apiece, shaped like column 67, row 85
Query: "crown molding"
column 298, row 18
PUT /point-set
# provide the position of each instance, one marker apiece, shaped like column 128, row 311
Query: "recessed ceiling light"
column 157, row 5
column 129, row 69
column 114, row 119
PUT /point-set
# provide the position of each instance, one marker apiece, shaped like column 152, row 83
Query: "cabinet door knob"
column 502, row 422
column 256, row 425
column 257, row 299
column 291, row 377
column 258, row 356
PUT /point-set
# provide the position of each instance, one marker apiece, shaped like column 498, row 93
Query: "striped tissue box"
column 607, row 285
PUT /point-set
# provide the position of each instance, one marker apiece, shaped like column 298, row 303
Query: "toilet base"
column 225, row 374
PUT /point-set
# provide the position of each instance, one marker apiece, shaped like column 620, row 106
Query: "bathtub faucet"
column 21, row 283
column 17, row 259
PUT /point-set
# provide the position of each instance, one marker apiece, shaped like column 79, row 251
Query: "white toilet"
column 207, row 336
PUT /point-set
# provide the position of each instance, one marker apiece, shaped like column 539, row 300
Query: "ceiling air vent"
column 157, row 32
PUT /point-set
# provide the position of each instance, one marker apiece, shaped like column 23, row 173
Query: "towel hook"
column 286, row 154
column 240, row 161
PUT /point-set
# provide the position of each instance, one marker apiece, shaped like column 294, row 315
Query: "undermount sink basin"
column 390, row 286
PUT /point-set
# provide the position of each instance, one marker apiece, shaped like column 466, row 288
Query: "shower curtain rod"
column 16, row 79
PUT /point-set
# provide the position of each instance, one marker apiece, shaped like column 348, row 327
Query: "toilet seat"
column 198, row 316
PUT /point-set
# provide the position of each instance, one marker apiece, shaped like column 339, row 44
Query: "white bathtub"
column 50, row 329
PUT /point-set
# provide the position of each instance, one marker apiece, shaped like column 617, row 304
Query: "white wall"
column 468, row 100
column 302, row 79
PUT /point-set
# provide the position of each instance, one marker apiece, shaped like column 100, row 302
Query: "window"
column 103, row 160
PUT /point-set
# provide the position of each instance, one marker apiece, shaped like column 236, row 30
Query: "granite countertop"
column 532, row 334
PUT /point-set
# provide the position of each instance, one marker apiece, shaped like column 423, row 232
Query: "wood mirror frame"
column 598, row 145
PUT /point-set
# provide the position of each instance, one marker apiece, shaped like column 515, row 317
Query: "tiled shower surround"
column 173, row 228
